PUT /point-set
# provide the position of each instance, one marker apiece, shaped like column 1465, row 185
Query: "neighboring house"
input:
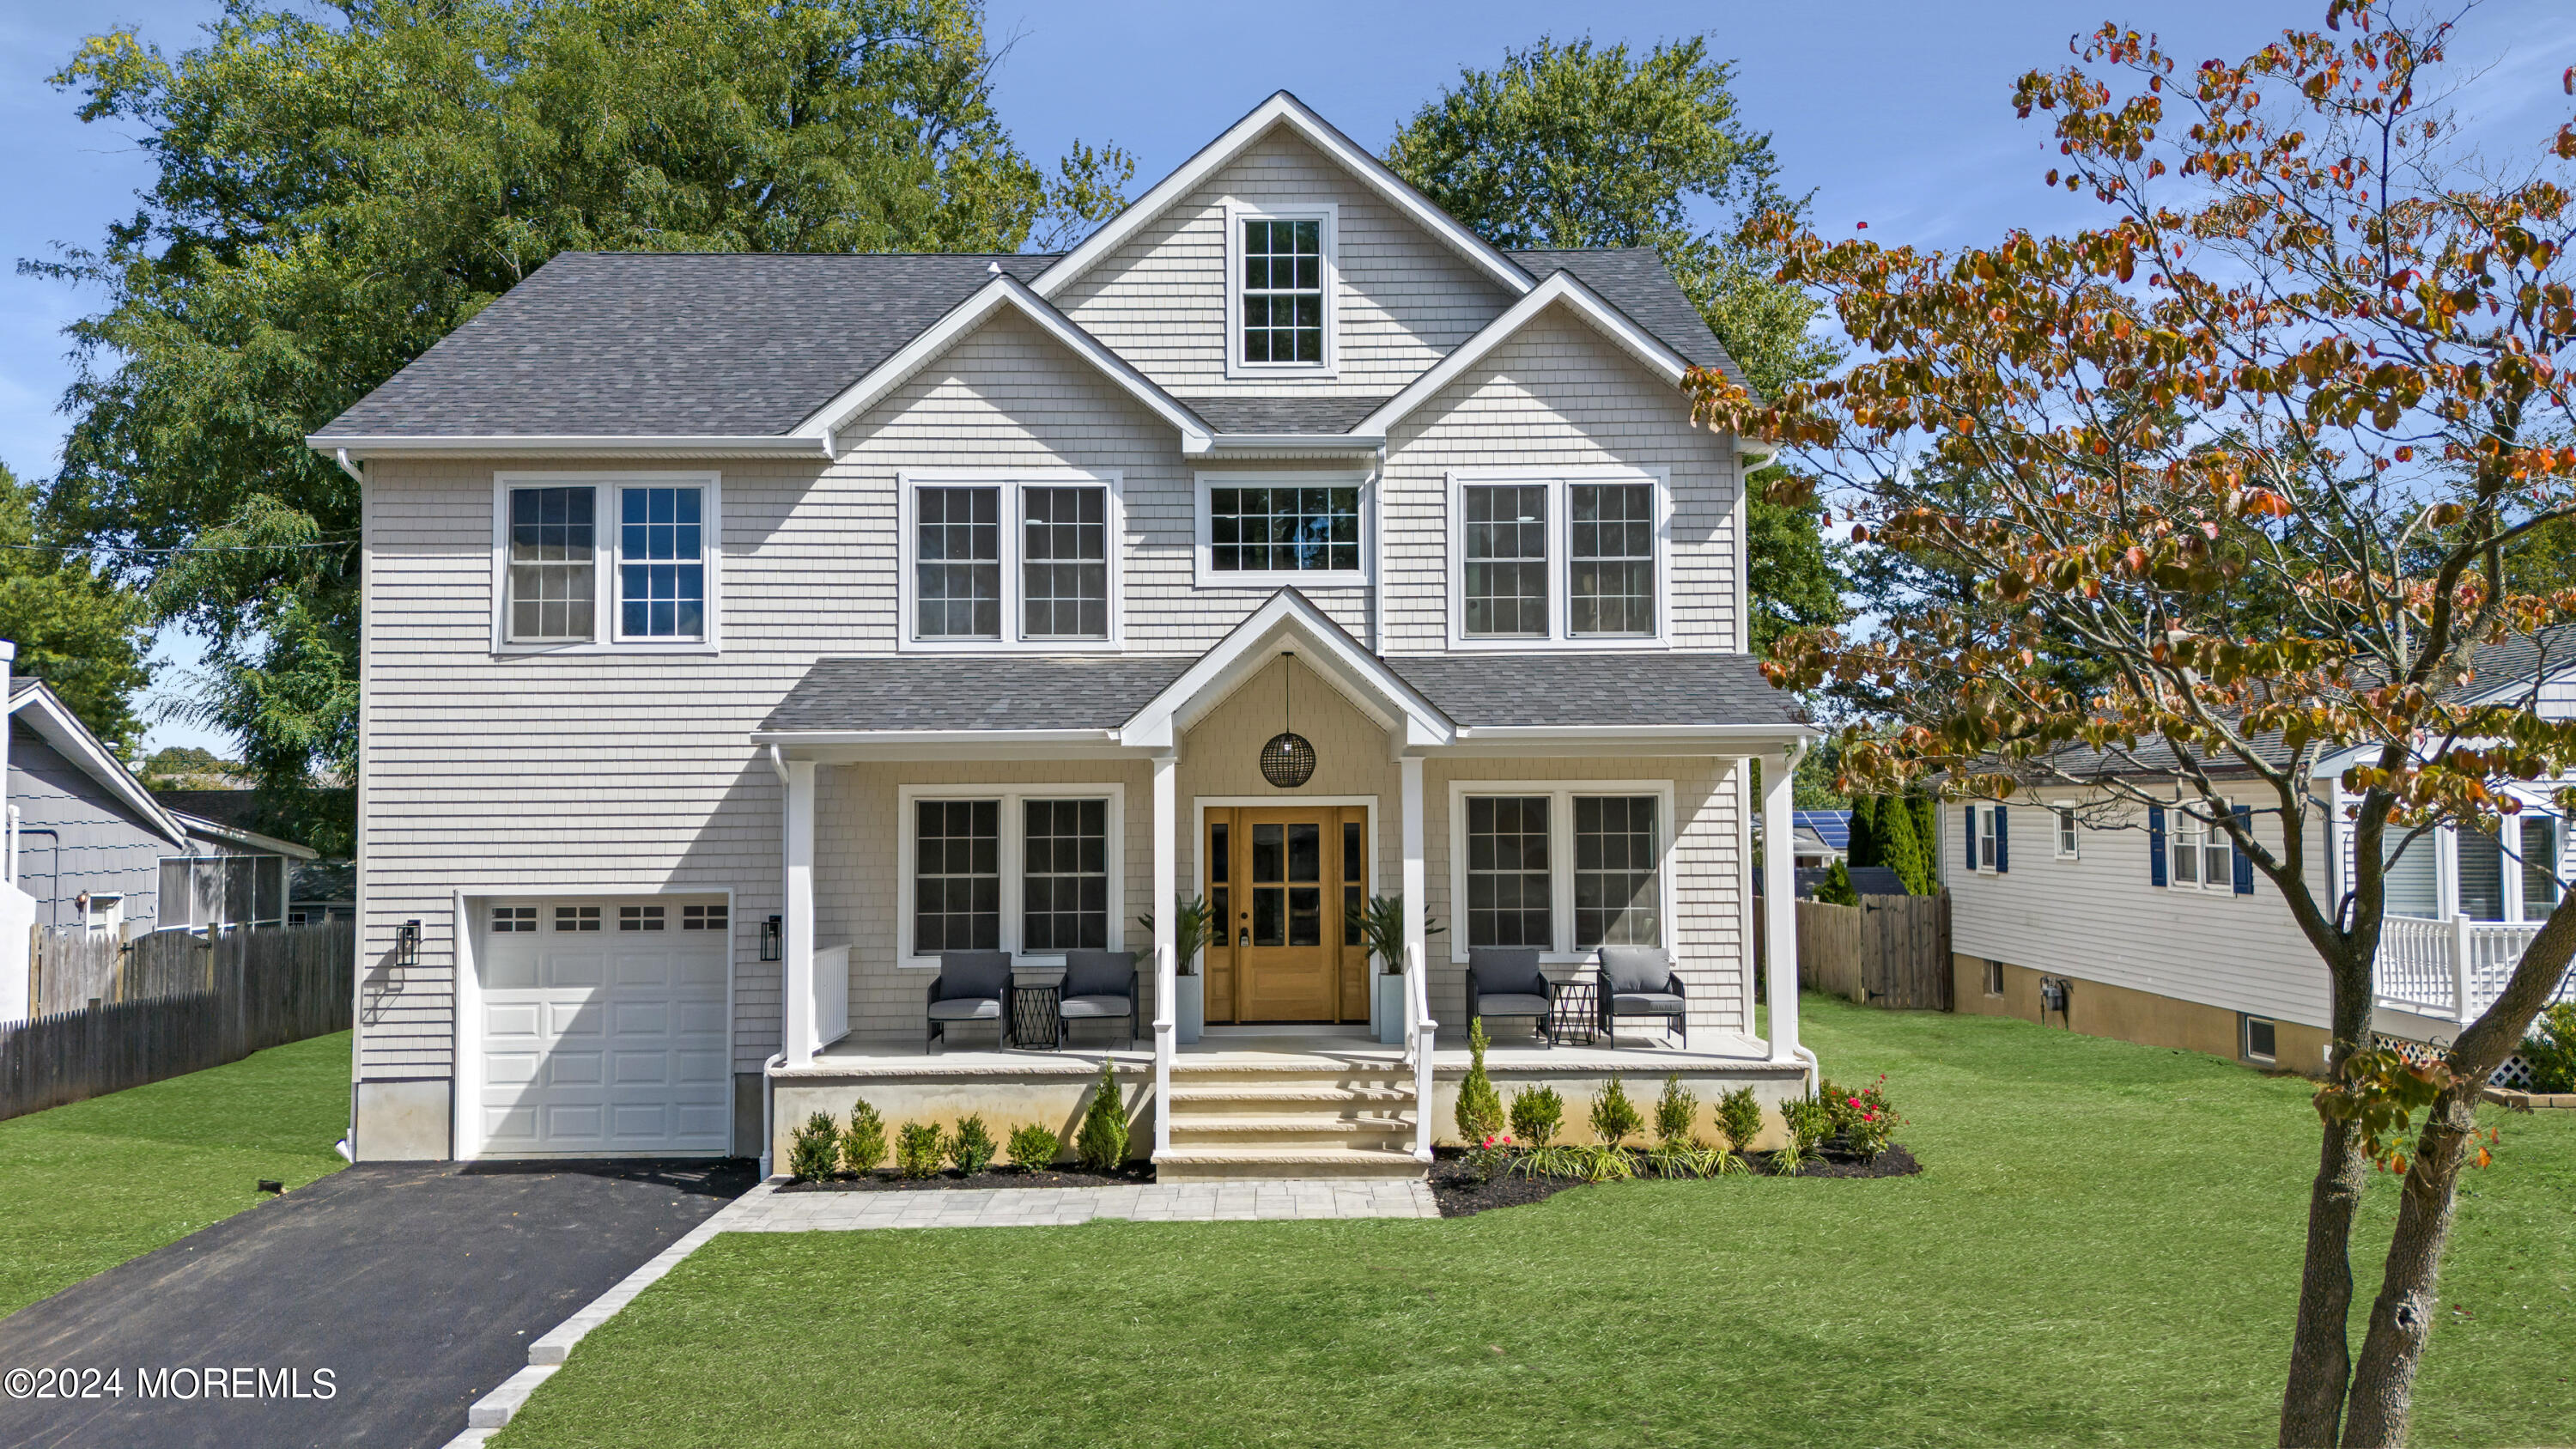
column 1824, row 836
column 88, row 847
column 743, row 631
column 2145, row 924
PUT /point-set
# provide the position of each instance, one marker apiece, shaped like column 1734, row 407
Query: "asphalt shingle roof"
column 1237, row 413
column 1636, row 281
column 950, row 692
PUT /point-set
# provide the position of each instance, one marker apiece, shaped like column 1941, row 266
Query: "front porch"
column 2437, row 976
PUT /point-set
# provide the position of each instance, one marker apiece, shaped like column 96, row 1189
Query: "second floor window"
column 1011, row 563
column 1283, row 291
column 1559, row 560
column 607, row 563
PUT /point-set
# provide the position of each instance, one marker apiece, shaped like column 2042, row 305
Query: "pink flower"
column 1854, row 1102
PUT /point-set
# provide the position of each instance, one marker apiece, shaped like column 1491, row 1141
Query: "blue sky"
column 1896, row 114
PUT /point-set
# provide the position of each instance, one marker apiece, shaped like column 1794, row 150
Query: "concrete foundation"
column 2124, row 1014
column 404, row 1121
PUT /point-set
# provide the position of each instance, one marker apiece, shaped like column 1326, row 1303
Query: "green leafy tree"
column 1836, row 888
column 75, row 626
column 1901, row 850
column 1865, row 849
column 335, row 192
column 1577, row 145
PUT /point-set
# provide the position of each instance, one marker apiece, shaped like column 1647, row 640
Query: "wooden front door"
column 1282, row 888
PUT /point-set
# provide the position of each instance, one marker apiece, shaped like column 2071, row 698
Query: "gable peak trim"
column 1560, row 287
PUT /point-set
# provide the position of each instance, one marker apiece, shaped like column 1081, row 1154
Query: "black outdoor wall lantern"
column 407, row 944
column 1288, row 761
column 769, row 942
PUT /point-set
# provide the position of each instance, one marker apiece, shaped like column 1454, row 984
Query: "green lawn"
column 85, row 1187
column 2104, row 1250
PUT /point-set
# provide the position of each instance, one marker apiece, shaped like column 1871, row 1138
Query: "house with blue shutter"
column 791, row 680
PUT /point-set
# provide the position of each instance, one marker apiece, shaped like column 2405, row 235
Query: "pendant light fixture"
column 1288, row 761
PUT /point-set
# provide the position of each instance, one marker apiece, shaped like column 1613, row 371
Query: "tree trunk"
column 2401, row 1320
column 2320, row 1359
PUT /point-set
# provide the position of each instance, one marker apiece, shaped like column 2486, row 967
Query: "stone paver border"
column 765, row 1209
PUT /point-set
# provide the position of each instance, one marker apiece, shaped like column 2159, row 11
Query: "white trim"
column 1560, row 287
column 1236, row 214
column 1003, row 291
column 1560, row 852
column 1012, row 826
column 1560, row 560
column 1204, row 574
column 55, row 724
column 2180, row 823
column 466, row 996
column 2066, row 831
column 1249, row 647
column 608, row 545
column 199, row 825
column 362, row 446
column 1280, row 109
column 1012, row 524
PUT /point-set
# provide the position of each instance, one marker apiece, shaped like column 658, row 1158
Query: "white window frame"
column 1204, row 573
column 607, row 553
column 1560, row 858
column 1984, row 815
column 1236, row 214
column 1013, row 538
column 1560, row 558
column 2180, row 826
column 2068, row 832
column 1011, row 857
column 2245, row 1038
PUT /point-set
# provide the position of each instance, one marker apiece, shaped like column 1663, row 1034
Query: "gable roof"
column 1562, row 288
column 1636, row 281
column 34, row 703
column 1282, row 109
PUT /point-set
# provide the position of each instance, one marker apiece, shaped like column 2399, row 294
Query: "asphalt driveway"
column 416, row 1286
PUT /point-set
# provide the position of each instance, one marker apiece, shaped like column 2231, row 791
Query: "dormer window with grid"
column 1282, row 299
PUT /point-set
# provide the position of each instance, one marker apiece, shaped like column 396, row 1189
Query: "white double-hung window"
column 1281, row 299
column 600, row 561
column 1564, row 866
column 1035, row 870
column 1573, row 560
column 1015, row 561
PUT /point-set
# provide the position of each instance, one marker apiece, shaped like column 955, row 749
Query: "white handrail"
column 2451, row 970
column 1423, row 1031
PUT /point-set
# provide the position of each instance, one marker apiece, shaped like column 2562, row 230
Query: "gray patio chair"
column 971, row 986
column 1504, row 982
column 1098, row 986
column 1639, row 981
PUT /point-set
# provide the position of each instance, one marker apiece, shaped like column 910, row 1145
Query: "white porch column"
column 796, row 984
column 1167, row 826
column 1780, row 903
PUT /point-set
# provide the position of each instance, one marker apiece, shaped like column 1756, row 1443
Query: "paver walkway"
column 766, row 1210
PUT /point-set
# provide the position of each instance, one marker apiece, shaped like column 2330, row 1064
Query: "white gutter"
column 776, row 738
column 1299, row 442
column 1733, row 733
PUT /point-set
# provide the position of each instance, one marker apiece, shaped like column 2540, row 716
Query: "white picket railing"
column 2452, row 970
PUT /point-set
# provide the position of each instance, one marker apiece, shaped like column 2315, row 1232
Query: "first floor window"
column 1985, row 817
column 1508, row 888
column 1616, row 896
column 957, row 569
column 2539, row 866
column 2201, row 854
column 2066, row 831
column 1504, row 576
column 957, row 876
column 1064, row 886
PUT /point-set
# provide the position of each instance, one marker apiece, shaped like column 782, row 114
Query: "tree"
column 1902, row 850
column 75, row 627
column 2263, row 444
column 1865, row 847
column 1576, row 146
column 1836, row 888
column 334, row 195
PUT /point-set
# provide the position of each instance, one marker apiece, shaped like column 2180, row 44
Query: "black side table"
column 1035, row 1016
column 1578, row 1011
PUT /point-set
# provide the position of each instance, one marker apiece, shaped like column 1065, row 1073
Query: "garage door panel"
column 602, row 1044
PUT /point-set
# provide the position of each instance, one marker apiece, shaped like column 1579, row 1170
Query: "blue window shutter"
column 2003, row 844
column 2156, row 844
column 2244, row 862
column 1968, row 817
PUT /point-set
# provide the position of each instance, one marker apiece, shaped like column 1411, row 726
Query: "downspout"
column 350, row 467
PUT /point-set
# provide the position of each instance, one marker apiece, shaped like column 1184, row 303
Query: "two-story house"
column 745, row 632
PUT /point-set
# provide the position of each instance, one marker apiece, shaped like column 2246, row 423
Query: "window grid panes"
column 553, row 540
column 2539, row 866
column 507, row 919
column 1506, row 561
column 1064, row 882
column 661, row 564
column 702, row 918
column 2065, row 831
column 957, row 876
column 1284, row 530
column 639, row 918
column 1617, row 893
column 1985, row 837
column 1064, row 563
column 1507, row 872
column 957, row 565
column 1611, row 553
column 1283, row 291
column 2217, row 860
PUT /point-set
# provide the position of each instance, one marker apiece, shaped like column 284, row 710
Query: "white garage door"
column 603, row 1026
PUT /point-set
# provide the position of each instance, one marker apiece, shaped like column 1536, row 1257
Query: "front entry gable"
column 1290, row 622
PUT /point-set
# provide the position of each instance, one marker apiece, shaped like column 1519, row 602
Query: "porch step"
column 1272, row 1098
column 1205, row 1164
column 1292, row 1133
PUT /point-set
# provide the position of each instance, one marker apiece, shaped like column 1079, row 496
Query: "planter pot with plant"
column 1382, row 928
column 1189, row 986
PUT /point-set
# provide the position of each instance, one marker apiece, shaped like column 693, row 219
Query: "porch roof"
column 951, row 694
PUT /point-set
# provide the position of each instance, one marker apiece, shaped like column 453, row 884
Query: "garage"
column 601, row 1026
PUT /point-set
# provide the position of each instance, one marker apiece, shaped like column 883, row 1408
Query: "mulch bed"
column 951, row 1180
column 1460, row 1195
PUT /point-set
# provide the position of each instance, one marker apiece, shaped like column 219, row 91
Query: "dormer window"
column 1280, row 305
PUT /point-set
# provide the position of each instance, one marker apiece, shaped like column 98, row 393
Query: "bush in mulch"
column 951, row 1180
column 1460, row 1193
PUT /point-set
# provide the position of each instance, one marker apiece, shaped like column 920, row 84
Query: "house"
column 2146, row 924
column 745, row 631
column 88, row 848
column 1824, row 836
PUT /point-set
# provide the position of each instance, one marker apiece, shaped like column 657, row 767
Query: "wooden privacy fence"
column 182, row 1003
column 1890, row 951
